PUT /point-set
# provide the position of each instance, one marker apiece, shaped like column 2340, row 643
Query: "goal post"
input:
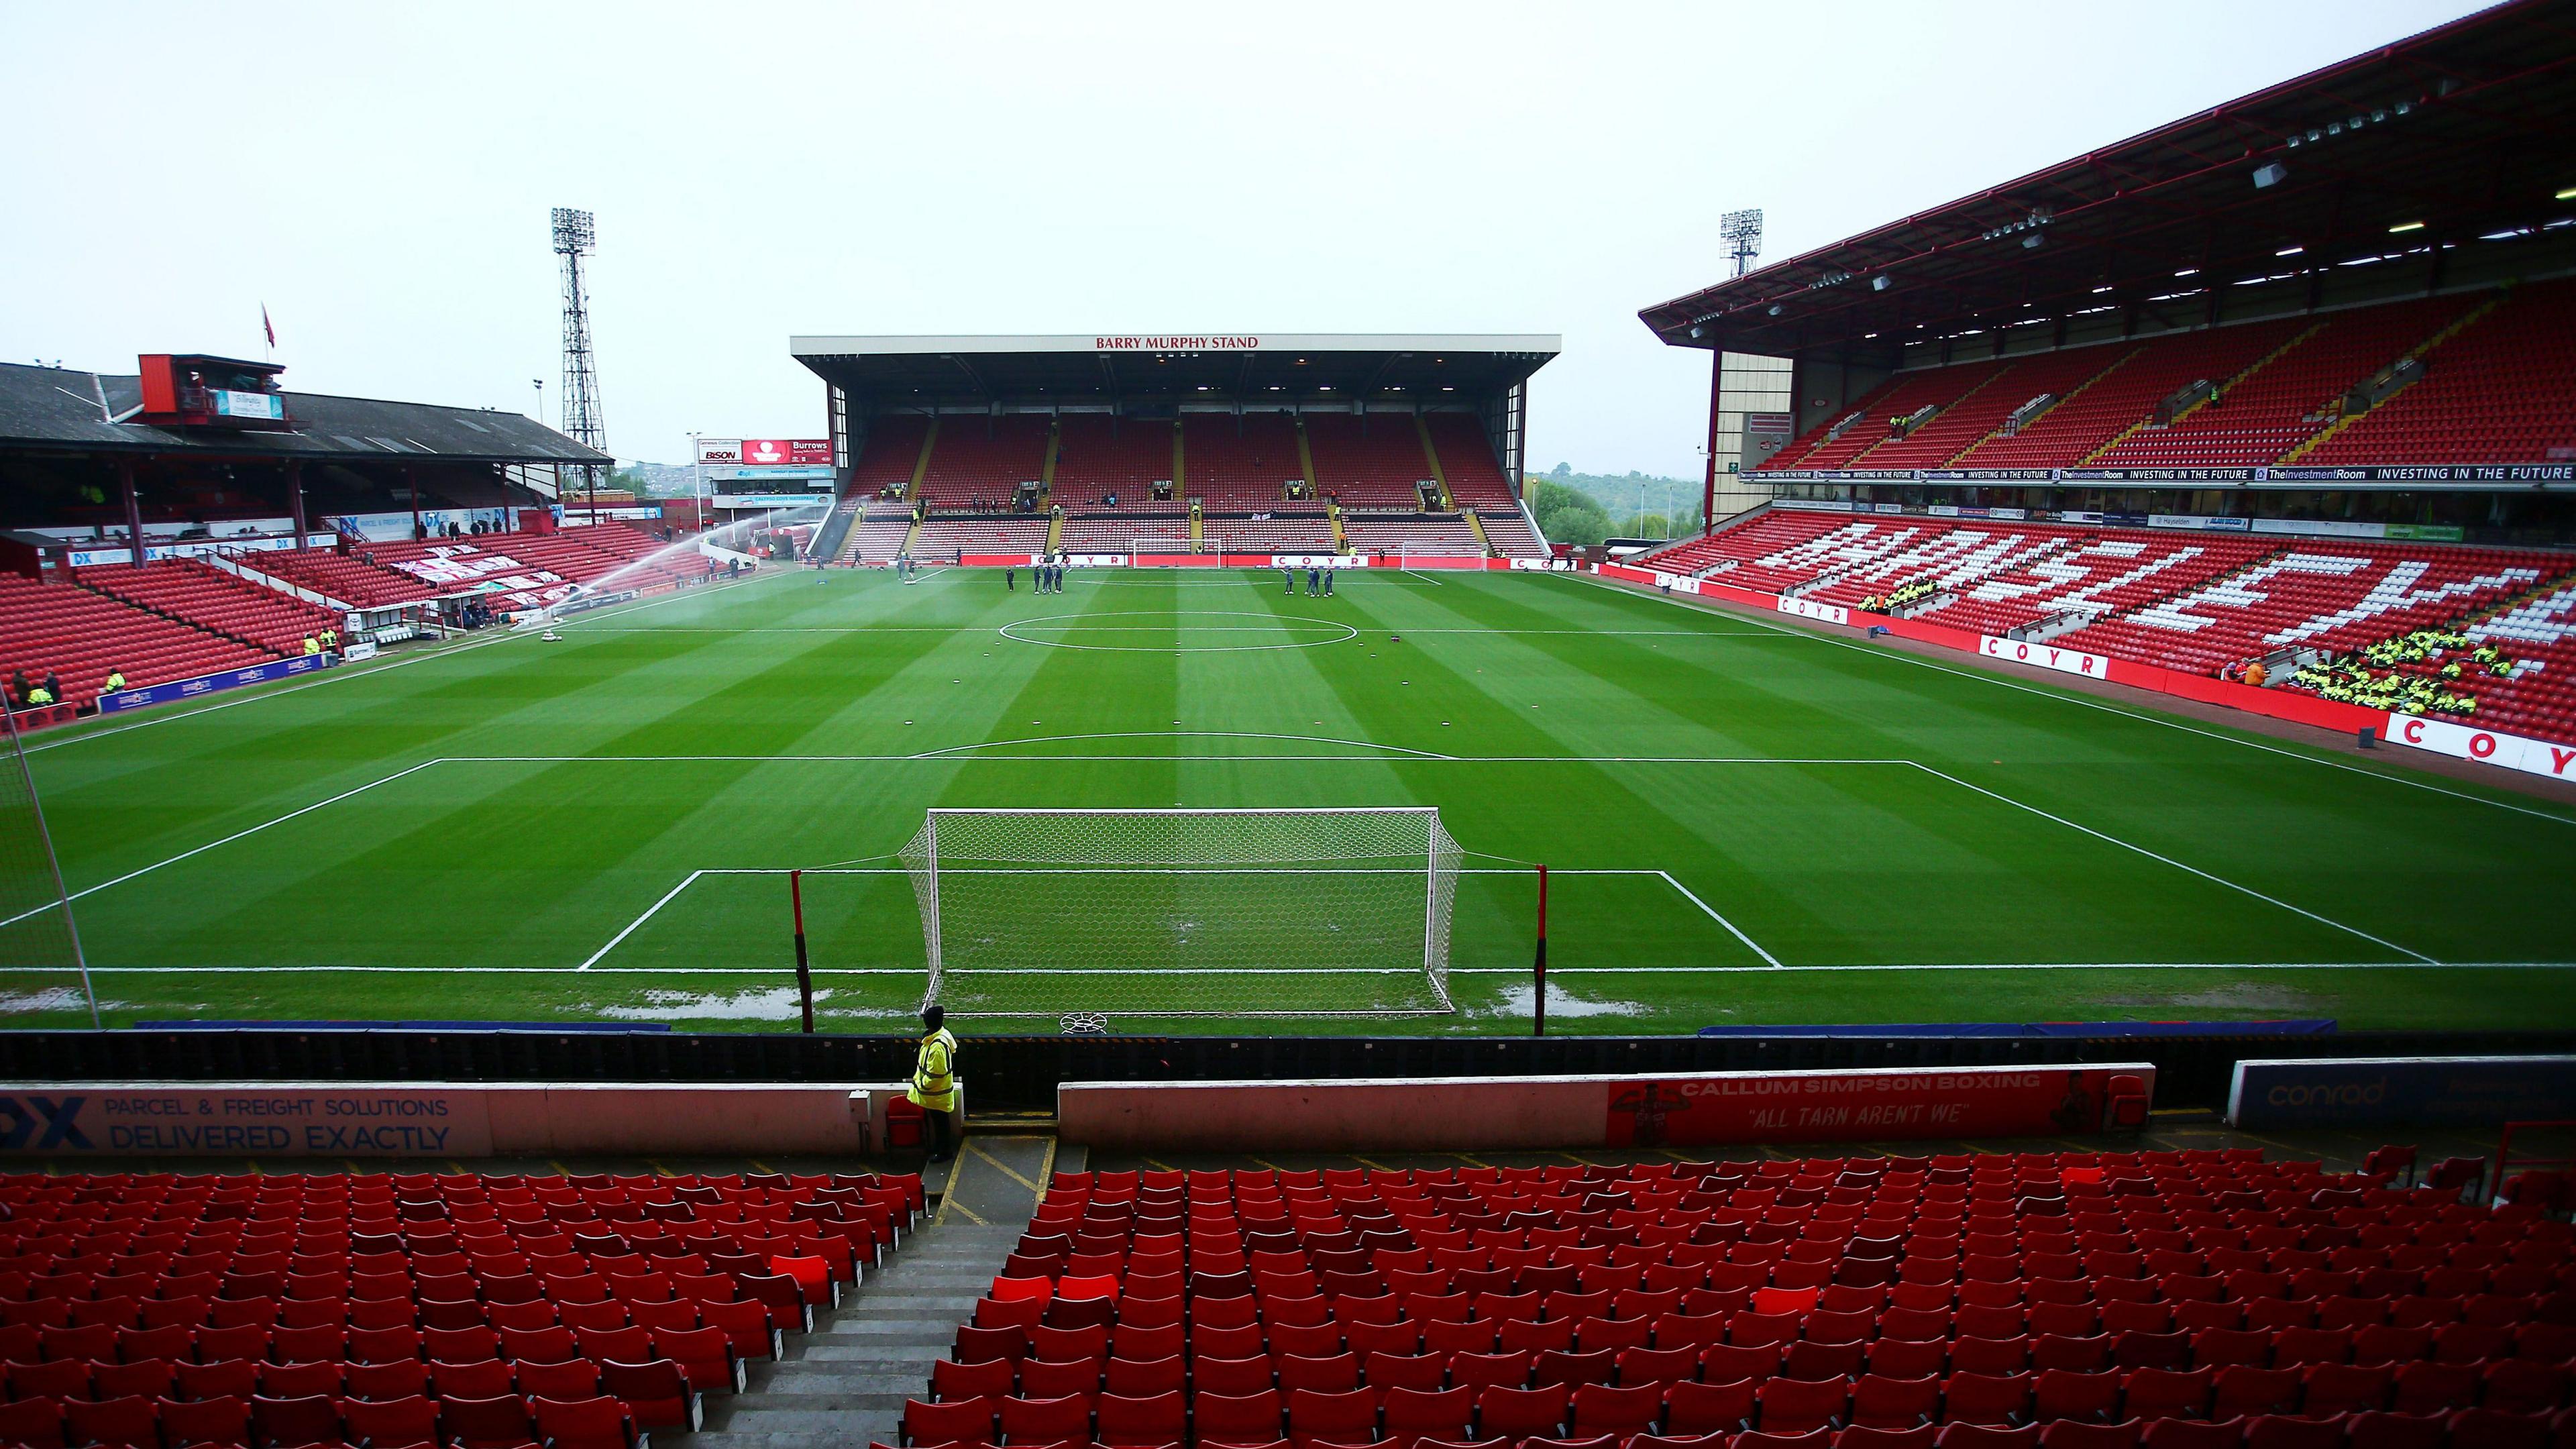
column 1172, row 546
column 1259, row 912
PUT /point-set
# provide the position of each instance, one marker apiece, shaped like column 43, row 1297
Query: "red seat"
column 1428, row 1413
column 127, row 1423
column 594, row 1423
column 1045, row 1421
column 1881, row 1402
column 411, row 1420
column 1600, row 1409
column 1152, row 1419
column 961, row 1420
column 1979, row 1398
column 1510, row 1413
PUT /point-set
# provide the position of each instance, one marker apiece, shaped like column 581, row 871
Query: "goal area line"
column 593, row 964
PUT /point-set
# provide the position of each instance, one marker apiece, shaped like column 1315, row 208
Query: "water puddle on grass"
column 771, row 1003
column 61, row 998
column 1516, row 1000
column 2255, row 996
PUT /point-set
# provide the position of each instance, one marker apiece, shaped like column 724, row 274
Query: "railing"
column 1021, row 1073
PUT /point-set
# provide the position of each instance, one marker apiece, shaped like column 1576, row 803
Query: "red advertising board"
column 1870, row 1105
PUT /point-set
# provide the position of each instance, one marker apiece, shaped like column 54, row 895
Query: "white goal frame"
column 1147, row 544
column 1439, row 872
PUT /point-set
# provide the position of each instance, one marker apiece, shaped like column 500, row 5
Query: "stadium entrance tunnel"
column 1188, row 631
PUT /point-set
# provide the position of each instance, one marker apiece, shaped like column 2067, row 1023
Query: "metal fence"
column 1007, row 1073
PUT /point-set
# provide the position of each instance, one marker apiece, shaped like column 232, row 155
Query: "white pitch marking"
column 1183, row 734
column 1750, row 944
column 2176, row 864
column 2089, row 702
column 227, row 840
column 667, row 897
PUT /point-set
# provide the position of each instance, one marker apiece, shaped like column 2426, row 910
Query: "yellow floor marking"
column 764, row 1167
column 948, row 1194
column 1003, row 1168
column 1469, row 1160
column 968, row 1212
column 1046, row 1170
column 1371, row 1165
column 1160, row 1166
column 560, row 1169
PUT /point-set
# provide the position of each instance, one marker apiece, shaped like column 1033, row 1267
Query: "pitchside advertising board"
column 1868, row 1105
column 2432, row 1091
column 179, row 1120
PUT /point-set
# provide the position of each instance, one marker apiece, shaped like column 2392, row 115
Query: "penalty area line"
column 1731, row 929
column 2178, row 865
column 226, row 840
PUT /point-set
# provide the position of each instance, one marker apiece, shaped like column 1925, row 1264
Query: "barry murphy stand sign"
column 186, row 1119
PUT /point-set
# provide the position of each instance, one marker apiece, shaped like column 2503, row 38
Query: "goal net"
column 1291, row 912
column 1175, row 545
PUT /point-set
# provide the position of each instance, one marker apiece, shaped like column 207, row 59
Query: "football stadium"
column 1125, row 894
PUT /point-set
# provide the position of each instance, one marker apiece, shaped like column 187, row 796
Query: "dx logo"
column 50, row 1122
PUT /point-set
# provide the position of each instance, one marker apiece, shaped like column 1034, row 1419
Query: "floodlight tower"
column 1742, row 233
column 582, row 419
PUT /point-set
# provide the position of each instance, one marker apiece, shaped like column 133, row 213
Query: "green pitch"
column 1750, row 822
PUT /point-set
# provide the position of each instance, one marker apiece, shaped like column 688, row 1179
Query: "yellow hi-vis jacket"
column 934, row 1073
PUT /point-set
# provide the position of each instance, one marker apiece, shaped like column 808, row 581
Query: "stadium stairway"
column 846, row 1382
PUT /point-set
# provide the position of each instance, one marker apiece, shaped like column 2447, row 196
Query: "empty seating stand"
column 2316, row 594
column 1236, row 462
column 1372, row 462
column 213, row 600
column 1476, row 479
column 81, row 636
column 1097, row 456
column 347, row 577
column 456, row 1309
column 2039, row 1299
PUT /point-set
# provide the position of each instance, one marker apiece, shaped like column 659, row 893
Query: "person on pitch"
column 1314, row 581
column 1288, row 576
column 934, row 1084
column 1328, row 582
column 1010, row 580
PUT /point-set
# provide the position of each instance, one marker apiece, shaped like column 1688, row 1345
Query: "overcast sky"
column 380, row 175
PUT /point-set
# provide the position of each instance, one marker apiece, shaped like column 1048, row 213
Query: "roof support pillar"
column 295, row 497
column 133, row 509
column 1716, row 387
column 411, row 480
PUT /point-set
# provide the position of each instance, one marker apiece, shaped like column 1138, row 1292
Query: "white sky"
column 380, row 176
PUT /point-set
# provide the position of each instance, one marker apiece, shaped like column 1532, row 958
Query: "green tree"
column 1567, row 515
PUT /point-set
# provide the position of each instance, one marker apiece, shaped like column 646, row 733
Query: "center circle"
column 1112, row 633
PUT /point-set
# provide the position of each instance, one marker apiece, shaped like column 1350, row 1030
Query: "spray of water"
column 727, row 536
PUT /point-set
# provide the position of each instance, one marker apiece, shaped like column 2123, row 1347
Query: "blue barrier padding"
column 2317, row 1027
column 179, row 689
column 609, row 1026
column 2430, row 1091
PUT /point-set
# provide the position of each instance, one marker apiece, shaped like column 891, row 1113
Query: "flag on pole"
column 267, row 326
